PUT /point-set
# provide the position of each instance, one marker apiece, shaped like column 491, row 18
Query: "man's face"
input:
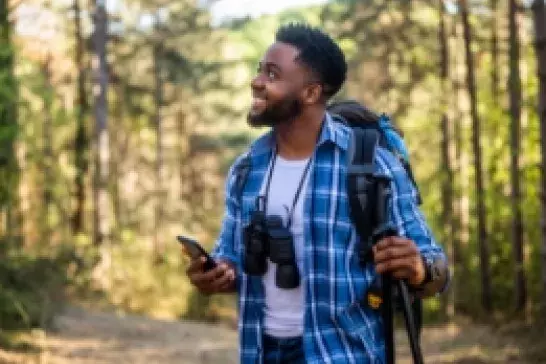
column 278, row 86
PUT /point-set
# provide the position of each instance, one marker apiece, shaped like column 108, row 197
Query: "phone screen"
column 196, row 250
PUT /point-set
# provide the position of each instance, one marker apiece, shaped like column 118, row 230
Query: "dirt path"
column 83, row 337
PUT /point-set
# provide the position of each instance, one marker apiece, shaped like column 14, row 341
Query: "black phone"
column 196, row 250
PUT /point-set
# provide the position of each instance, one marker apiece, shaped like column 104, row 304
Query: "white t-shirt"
column 284, row 308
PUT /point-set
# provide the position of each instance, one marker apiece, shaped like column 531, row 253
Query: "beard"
column 280, row 112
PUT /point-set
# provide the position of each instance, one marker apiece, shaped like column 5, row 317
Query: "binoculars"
column 267, row 237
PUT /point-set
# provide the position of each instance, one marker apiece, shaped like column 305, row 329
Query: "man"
column 298, row 172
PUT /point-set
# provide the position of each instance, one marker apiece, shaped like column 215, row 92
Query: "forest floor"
column 82, row 336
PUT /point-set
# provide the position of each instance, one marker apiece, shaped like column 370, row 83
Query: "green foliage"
column 31, row 289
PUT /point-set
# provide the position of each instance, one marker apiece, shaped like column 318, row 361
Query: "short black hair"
column 319, row 52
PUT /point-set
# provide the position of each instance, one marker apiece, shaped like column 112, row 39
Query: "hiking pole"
column 411, row 329
column 385, row 228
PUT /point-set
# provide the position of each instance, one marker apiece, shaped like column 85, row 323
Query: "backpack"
column 370, row 130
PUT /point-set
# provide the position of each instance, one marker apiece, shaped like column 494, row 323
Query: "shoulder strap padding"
column 361, row 186
column 241, row 171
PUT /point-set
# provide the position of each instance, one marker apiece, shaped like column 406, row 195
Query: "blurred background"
column 120, row 118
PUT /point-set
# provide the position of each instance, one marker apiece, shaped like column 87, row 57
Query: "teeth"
column 257, row 102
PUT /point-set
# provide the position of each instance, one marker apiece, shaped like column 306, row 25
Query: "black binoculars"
column 264, row 237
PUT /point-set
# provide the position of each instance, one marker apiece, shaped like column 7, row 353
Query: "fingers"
column 219, row 279
column 400, row 257
column 224, row 281
column 400, row 267
column 392, row 241
column 395, row 249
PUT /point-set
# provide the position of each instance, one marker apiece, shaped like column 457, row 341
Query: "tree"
column 539, row 19
column 8, row 122
column 157, row 49
column 478, row 174
column 495, row 90
column 447, row 175
column 100, row 38
column 47, row 148
column 81, row 141
column 515, row 126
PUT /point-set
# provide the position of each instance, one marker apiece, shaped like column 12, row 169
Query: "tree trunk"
column 158, row 193
column 515, row 126
column 482, row 235
column 495, row 91
column 81, row 142
column 117, row 156
column 8, row 125
column 101, row 199
column 47, row 153
column 539, row 19
column 447, row 175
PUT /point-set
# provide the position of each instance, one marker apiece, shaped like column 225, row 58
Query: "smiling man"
column 288, row 246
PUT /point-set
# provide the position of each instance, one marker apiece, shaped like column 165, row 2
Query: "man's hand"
column 400, row 257
column 218, row 280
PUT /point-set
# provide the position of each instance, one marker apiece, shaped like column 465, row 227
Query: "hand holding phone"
column 196, row 251
column 207, row 275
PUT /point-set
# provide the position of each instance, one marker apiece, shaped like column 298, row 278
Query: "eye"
column 271, row 75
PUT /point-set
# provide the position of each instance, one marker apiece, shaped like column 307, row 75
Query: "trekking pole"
column 411, row 328
column 385, row 228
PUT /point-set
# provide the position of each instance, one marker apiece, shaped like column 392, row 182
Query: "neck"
column 297, row 139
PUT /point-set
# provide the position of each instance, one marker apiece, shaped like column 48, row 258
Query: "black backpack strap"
column 361, row 186
column 241, row 171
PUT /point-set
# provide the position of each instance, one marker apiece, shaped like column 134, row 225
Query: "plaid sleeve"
column 224, row 248
column 405, row 212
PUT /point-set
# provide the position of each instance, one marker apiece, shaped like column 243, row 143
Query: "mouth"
column 258, row 105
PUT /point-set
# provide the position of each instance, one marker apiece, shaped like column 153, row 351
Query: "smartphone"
column 196, row 250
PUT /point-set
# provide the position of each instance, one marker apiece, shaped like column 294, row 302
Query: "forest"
column 119, row 121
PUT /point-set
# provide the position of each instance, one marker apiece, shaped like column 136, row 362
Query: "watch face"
column 436, row 272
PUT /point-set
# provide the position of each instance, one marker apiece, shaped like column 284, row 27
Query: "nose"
column 257, row 82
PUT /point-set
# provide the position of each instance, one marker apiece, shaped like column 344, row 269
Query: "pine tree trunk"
column 8, row 125
column 81, row 142
column 458, row 228
column 539, row 18
column 47, row 153
column 515, row 126
column 495, row 91
column 101, row 131
column 482, row 235
column 158, row 193
column 447, row 175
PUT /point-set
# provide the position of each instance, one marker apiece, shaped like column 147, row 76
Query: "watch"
column 432, row 271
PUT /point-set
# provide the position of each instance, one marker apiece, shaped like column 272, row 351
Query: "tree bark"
column 447, row 175
column 515, row 131
column 482, row 234
column 81, row 142
column 101, row 198
column 47, row 152
column 8, row 125
column 495, row 90
column 158, row 193
column 539, row 20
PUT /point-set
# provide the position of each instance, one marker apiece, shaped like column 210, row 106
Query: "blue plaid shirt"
column 337, row 329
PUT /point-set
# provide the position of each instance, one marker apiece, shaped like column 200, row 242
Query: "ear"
column 312, row 93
